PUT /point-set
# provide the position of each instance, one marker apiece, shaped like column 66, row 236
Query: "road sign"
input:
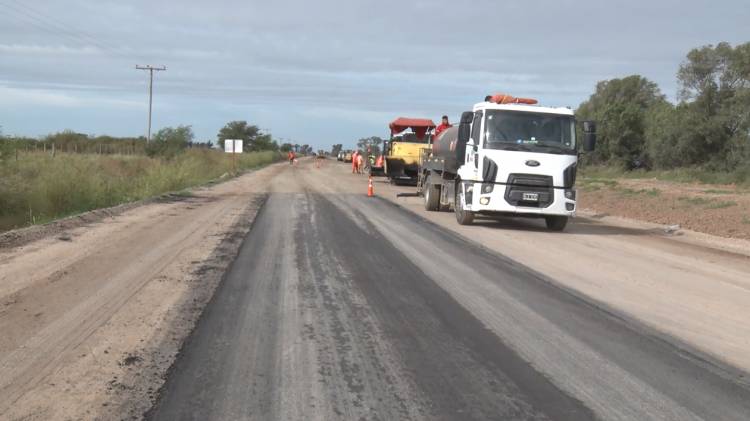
column 233, row 146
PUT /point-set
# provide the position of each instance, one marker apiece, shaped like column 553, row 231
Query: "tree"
column 371, row 143
column 170, row 141
column 336, row 149
column 286, row 147
column 264, row 142
column 209, row 144
column 252, row 139
column 620, row 106
column 715, row 93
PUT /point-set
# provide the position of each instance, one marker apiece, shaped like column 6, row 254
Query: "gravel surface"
column 711, row 209
column 345, row 307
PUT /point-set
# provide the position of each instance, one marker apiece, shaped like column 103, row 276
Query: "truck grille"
column 541, row 185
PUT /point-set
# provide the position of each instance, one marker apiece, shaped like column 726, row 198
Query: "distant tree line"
column 70, row 141
column 166, row 142
column 254, row 140
column 372, row 143
column 709, row 127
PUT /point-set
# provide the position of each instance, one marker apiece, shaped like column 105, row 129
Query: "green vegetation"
column 594, row 184
column 254, row 140
column 694, row 200
column 38, row 187
column 722, row 205
column 632, row 192
column 745, row 220
column 372, row 143
column 705, row 137
column 67, row 172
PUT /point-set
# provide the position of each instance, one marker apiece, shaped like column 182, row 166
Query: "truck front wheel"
column 463, row 216
column 556, row 222
column 431, row 195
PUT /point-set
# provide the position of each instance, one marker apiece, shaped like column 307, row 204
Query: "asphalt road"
column 340, row 306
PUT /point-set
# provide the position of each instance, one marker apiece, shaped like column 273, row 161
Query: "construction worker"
column 360, row 163
column 444, row 124
column 355, row 162
column 291, row 157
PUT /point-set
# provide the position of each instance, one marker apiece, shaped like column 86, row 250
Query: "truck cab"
column 512, row 159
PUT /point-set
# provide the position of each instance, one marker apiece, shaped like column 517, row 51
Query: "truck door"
column 476, row 139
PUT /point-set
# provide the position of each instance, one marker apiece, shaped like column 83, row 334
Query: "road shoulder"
column 114, row 303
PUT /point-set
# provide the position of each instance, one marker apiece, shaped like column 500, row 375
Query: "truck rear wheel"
column 556, row 222
column 463, row 216
column 431, row 195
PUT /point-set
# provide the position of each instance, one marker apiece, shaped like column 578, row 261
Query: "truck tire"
column 556, row 222
column 431, row 195
column 463, row 216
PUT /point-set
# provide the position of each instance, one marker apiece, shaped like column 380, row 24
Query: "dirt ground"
column 712, row 209
column 93, row 315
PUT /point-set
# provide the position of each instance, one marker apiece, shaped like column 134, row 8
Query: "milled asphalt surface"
column 340, row 306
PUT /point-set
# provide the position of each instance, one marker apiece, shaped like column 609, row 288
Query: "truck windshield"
column 538, row 132
column 410, row 137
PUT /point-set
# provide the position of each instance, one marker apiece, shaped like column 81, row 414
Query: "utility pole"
column 150, row 69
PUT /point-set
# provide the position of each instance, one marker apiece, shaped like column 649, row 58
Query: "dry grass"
column 38, row 188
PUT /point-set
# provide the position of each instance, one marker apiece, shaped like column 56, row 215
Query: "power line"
column 64, row 26
column 151, row 70
column 54, row 27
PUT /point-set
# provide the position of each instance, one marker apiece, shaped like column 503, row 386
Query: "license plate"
column 531, row 197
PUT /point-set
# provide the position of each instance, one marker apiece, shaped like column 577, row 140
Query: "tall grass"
column 38, row 188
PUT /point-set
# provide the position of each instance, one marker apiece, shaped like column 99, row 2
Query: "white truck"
column 507, row 157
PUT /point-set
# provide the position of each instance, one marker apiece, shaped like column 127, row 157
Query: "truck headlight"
column 570, row 194
column 487, row 188
column 484, row 201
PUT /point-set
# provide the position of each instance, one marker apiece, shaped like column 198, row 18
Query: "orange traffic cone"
column 370, row 189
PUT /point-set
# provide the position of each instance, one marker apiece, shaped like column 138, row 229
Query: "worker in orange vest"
column 444, row 124
column 354, row 162
column 291, row 157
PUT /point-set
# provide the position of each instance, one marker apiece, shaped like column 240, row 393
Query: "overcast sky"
column 324, row 72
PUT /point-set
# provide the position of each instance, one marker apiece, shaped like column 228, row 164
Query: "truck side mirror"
column 464, row 134
column 589, row 136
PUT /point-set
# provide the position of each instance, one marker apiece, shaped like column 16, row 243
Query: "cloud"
column 15, row 97
column 46, row 50
column 362, row 60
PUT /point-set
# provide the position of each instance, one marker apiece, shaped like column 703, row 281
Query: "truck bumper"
column 497, row 202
